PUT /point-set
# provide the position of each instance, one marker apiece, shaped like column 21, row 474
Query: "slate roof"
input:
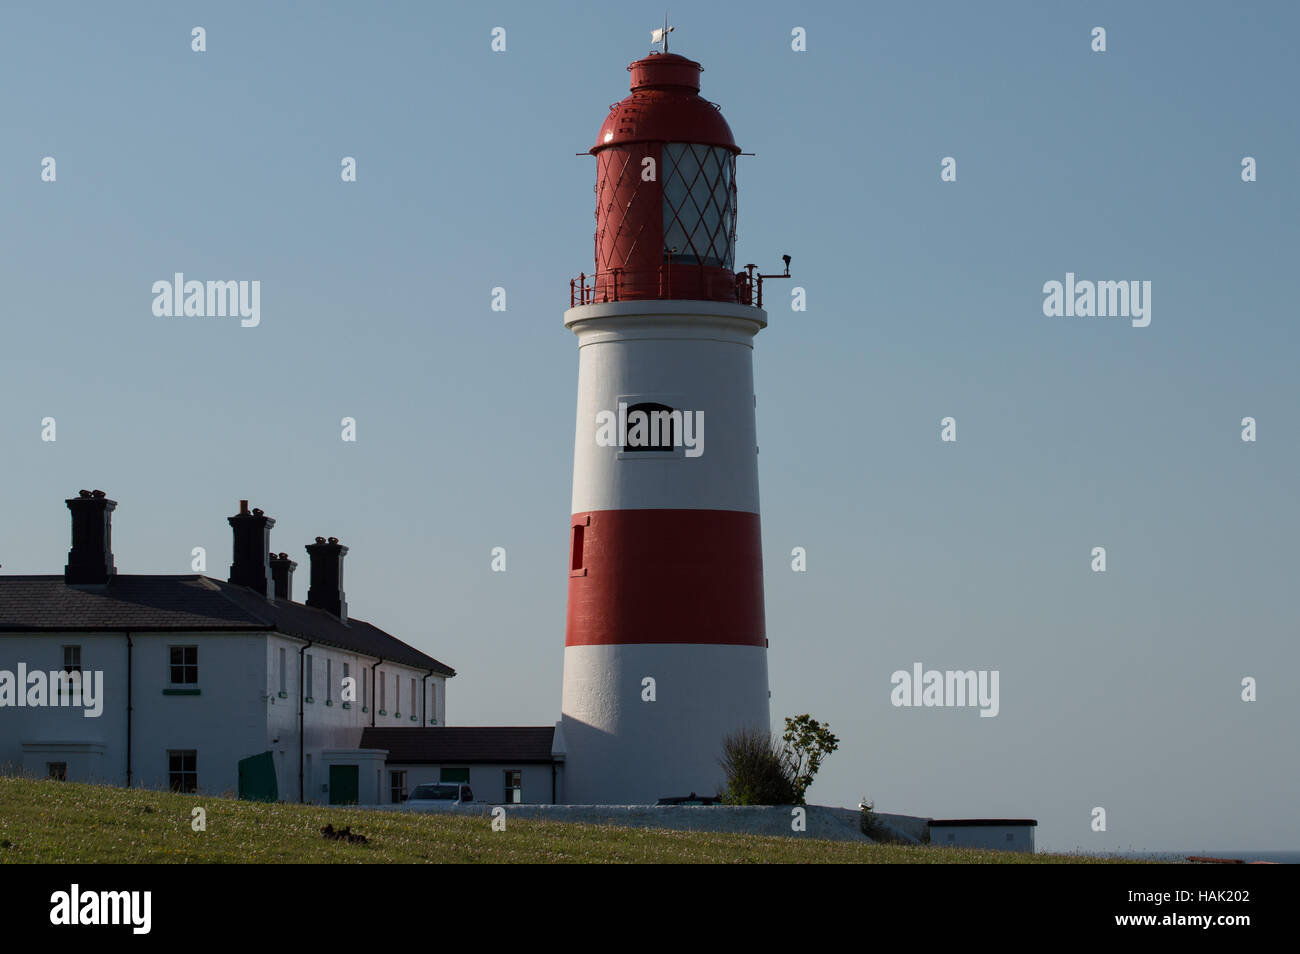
column 462, row 744
column 141, row 604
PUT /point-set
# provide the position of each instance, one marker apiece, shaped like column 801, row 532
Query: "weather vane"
column 661, row 36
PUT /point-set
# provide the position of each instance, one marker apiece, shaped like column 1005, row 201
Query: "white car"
column 434, row 796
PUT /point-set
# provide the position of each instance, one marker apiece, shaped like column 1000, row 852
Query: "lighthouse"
column 665, row 642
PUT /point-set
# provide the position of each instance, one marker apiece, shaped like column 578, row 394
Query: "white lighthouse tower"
column 665, row 643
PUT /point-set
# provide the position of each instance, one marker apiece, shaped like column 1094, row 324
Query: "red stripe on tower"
column 665, row 576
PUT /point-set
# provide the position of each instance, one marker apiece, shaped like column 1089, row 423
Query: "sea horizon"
column 1276, row 856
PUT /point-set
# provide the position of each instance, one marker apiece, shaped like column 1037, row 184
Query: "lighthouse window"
column 699, row 210
column 576, row 561
column 651, row 427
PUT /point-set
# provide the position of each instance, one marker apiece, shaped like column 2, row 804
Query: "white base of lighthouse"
column 625, row 749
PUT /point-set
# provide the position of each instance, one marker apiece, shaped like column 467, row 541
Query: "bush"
column 758, row 770
column 869, row 820
column 807, row 742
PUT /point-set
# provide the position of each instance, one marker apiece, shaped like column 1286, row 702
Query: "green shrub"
column 807, row 742
column 869, row 820
column 758, row 770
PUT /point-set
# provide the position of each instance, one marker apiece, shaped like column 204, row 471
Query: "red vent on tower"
column 665, row 193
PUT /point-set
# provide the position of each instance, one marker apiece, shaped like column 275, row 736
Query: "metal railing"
column 640, row 284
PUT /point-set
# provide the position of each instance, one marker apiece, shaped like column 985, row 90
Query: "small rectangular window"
column 282, row 674
column 414, row 698
column 329, row 679
column 307, row 666
column 365, row 689
column 383, row 693
column 71, row 664
column 576, row 562
column 182, row 770
column 398, row 789
column 454, row 775
column 433, row 704
column 184, row 665
column 57, row 771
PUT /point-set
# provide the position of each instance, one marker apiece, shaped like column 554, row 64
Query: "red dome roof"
column 665, row 106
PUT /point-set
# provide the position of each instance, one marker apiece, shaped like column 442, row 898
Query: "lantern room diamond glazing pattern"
column 699, row 214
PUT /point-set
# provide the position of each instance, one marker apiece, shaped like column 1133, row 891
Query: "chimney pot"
column 91, row 558
column 251, row 566
column 282, row 576
column 326, row 590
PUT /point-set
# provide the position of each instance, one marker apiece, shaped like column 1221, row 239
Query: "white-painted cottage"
column 198, row 684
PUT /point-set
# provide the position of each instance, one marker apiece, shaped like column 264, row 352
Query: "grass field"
column 62, row 822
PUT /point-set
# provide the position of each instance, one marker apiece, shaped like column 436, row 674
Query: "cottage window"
column 184, row 665
column 182, row 770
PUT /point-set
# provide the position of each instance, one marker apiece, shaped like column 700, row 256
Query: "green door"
column 345, row 784
column 257, row 778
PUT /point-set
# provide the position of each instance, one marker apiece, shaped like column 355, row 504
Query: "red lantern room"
column 665, row 193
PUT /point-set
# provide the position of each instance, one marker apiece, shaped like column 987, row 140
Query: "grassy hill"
column 63, row 822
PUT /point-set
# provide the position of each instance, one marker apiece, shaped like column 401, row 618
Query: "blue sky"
column 1119, row 690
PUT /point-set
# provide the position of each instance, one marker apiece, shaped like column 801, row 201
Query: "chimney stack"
column 251, row 566
column 91, row 558
column 326, row 590
column 282, row 573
